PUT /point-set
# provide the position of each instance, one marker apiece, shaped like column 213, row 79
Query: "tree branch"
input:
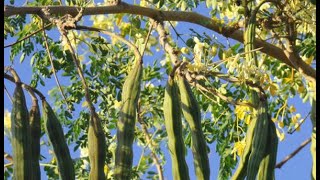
column 164, row 42
column 280, row 164
column 25, row 86
column 53, row 68
column 28, row 36
column 191, row 17
column 7, row 92
column 149, row 141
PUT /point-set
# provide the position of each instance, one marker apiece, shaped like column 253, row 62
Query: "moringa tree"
column 123, row 71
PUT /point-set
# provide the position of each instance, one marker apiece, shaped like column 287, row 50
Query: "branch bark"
column 213, row 24
column 280, row 164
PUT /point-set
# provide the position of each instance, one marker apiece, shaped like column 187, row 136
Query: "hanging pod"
column 97, row 148
column 268, row 163
column 21, row 136
column 126, row 123
column 56, row 138
column 172, row 117
column 191, row 112
column 35, row 128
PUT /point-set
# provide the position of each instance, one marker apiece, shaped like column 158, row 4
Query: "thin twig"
column 53, row 68
column 80, row 73
column 216, row 93
column 28, row 36
column 131, row 45
column 149, row 140
column 177, row 34
column 287, row 158
column 147, row 38
column 235, row 80
column 62, row 26
column 7, row 92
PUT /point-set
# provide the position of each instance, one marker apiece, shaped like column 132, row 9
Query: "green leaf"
column 190, row 43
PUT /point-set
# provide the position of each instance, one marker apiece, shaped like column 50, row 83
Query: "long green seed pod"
column 249, row 38
column 126, row 123
column 191, row 112
column 267, row 165
column 21, row 134
column 259, row 142
column 56, row 138
column 35, row 127
column 313, row 140
column 172, row 116
column 97, row 148
column 241, row 171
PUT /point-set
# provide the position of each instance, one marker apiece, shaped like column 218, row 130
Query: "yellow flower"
column 264, row 6
column 7, row 120
column 84, row 104
column 214, row 50
column 273, row 89
column 294, row 119
column 243, row 112
column 106, row 170
column 53, row 160
column 7, row 124
column 281, row 124
column 149, row 85
column 292, row 109
column 266, row 87
column 196, row 67
column 185, row 50
column 248, row 119
column 288, row 79
column 280, row 135
column 239, row 111
column 84, row 152
column 238, row 148
column 308, row 60
column 198, row 50
column 301, row 89
column 229, row 14
column 297, row 126
column 143, row 3
column 117, row 104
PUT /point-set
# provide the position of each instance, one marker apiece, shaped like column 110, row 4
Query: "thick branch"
column 164, row 42
column 191, row 17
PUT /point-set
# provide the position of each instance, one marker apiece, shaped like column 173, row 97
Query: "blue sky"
column 297, row 168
